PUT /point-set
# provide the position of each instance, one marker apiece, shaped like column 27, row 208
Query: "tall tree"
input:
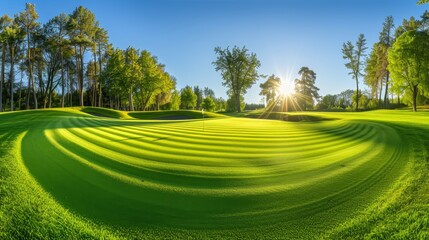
column 55, row 30
column 270, row 88
column 5, row 21
column 46, row 65
column 133, row 73
column 101, row 42
column 208, row 104
column 408, row 25
column 91, row 74
column 14, row 37
column 164, row 91
column 376, row 70
column 113, row 74
column 409, row 62
column 238, row 68
column 386, row 40
column 175, row 100
column 199, row 94
column 305, row 88
column 27, row 21
column 81, row 29
column 152, row 80
column 346, row 98
column 188, row 98
column 354, row 54
column 209, row 93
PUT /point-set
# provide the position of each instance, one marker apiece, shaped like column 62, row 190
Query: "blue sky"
column 285, row 35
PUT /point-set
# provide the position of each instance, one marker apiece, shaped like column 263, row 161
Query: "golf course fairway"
column 73, row 173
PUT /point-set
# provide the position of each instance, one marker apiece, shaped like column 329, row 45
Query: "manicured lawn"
column 113, row 174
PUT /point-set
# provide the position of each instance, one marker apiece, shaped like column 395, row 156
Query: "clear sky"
column 285, row 35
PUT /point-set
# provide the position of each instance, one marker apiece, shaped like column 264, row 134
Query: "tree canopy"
column 305, row 88
column 239, row 71
column 409, row 62
column 354, row 55
column 270, row 88
column 188, row 98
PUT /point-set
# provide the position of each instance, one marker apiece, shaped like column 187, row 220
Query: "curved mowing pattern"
column 237, row 173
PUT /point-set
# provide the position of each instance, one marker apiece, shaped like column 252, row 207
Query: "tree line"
column 396, row 70
column 398, row 64
column 69, row 61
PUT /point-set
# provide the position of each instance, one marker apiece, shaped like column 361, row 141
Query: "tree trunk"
column 130, row 99
column 71, row 87
column 80, row 79
column 48, row 91
column 20, row 90
column 381, row 91
column 30, row 77
column 95, row 78
column 11, row 74
column 386, row 97
column 50, row 98
column 237, row 98
column 27, row 95
column 34, row 93
column 357, row 94
column 100, row 101
column 3, row 59
column 415, row 98
column 62, row 77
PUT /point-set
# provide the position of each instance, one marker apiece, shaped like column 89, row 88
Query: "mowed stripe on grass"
column 237, row 173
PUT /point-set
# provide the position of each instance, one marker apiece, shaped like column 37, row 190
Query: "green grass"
column 112, row 174
column 173, row 115
column 104, row 112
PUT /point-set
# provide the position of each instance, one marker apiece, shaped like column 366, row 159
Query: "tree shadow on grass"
column 291, row 117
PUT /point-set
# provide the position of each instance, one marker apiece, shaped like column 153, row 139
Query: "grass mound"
column 64, row 174
column 105, row 112
column 173, row 115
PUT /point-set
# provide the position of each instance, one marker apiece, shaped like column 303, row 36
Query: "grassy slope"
column 238, row 177
column 167, row 115
column 104, row 112
column 148, row 115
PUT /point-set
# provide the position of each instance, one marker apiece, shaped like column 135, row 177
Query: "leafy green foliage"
column 305, row 88
column 328, row 102
column 26, row 20
column 114, row 72
column 208, row 104
column 81, row 28
column 354, row 54
column 409, row 63
column 188, row 99
column 154, row 81
column 231, row 104
column 238, row 68
column 270, row 88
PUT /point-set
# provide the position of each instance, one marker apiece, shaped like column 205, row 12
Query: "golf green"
column 213, row 177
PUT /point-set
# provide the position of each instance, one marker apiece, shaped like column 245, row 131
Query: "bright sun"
column 286, row 88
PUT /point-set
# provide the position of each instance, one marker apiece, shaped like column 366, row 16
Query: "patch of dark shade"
column 174, row 117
